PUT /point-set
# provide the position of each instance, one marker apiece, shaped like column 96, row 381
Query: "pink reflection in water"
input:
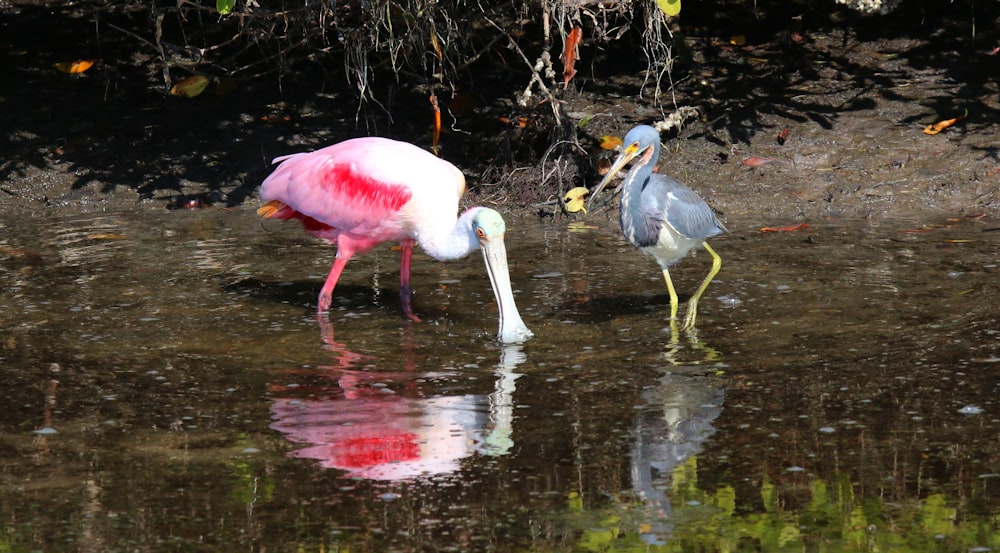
column 372, row 432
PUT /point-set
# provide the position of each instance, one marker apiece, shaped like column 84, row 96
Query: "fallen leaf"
column 787, row 228
column 573, row 200
column 519, row 121
column 942, row 125
column 783, row 136
column 669, row 7
column 73, row 67
column 190, row 87
column 570, row 52
column 738, row 40
column 609, row 142
column 757, row 161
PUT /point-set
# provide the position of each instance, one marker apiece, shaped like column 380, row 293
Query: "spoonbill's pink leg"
column 326, row 294
column 405, row 294
column 346, row 248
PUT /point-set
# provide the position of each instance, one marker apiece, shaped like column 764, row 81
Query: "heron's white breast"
column 671, row 246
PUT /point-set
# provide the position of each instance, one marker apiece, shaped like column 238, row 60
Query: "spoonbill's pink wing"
column 362, row 186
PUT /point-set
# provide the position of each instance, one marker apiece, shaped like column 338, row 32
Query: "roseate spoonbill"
column 661, row 216
column 365, row 191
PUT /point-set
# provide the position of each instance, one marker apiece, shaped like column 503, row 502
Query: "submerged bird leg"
column 673, row 297
column 405, row 293
column 346, row 248
column 326, row 294
column 692, row 311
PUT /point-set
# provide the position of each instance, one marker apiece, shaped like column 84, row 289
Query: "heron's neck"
column 447, row 242
column 638, row 228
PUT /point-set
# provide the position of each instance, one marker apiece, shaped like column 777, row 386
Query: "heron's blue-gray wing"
column 682, row 207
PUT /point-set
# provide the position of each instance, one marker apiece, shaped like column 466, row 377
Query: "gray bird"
column 661, row 216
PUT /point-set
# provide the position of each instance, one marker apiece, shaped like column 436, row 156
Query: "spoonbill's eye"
column 481, row 233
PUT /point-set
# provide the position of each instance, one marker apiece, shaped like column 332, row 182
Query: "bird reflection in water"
column 674, row 422
column 703, row 353
column 378, row 425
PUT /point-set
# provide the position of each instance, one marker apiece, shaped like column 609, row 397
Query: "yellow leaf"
column 670, row 7
column 738, row 40
column 78, row 66
column 609, row 142
column 436, row 45
column 190, row 87
column 573, row 200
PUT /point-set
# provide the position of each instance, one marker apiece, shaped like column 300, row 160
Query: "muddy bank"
column 800, row 125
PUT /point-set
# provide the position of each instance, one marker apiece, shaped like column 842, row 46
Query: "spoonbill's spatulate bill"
column 661, row 216
column 365, row 191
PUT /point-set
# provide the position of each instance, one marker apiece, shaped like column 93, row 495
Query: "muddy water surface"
column 167, row 386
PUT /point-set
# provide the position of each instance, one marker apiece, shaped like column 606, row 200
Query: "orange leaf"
column 783, row 136
column 609, row 142
column 788, row 228
column 519, row 121
column 942, row 125
column 757, row 161
column 570, row 51
column 78, row 66
column 738, row 40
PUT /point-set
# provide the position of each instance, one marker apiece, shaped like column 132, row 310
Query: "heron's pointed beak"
column 512, row 328
column 627, row 155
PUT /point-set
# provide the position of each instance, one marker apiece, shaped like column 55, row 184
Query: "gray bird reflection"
column 379, row 426
column 673, row 424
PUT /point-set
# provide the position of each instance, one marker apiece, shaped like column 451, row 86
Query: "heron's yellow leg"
column 673, row 296
column 692, row 311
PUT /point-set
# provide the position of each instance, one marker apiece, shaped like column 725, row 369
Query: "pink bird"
column 365, row 191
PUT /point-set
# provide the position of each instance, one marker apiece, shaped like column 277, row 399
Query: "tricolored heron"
column 661, row 216
column 365, row 191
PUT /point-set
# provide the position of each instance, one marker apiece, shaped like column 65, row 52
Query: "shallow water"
column 169, row 387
